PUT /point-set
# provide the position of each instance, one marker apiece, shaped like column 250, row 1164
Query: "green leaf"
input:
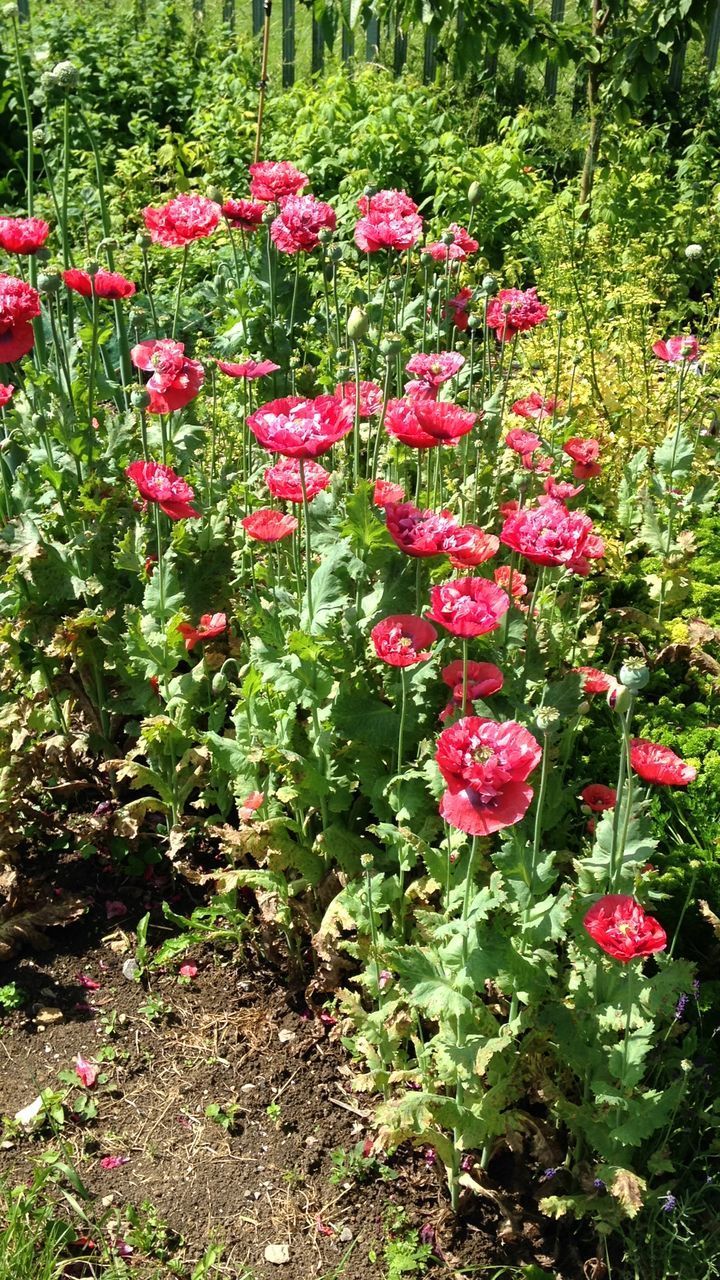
column 675, row 456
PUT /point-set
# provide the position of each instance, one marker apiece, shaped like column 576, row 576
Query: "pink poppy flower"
column 188, row 970
column 433, row 370
column 402, row 423
column 515, row 311
column 485, row 765
column 114, row 1162
column 470, row 546
column 403, row 640
column 619, row 925
column 443, row 420
column 19, row 305
column 468, row 607
column 283, row 480
column 6, row 394
column 272, row 180
column 250, row 805
column 183, row 219
column 301, row 428
column 483, row 680
column 457, row 309
column 462, row 246
column 390, row 221
column 23, row 235
column 654, row 763
column 104, row 284
column 535, row 406
column 298, row 225
column 371, row 397
column 269, row 525
column 561, row 490
column 676, row 350
column 210, row 626
column 417, row 532
column 87, row 1072
column 585, row 454
column 522, row 442
column 248, row 369
column 594, row 681
column 511, row 580
column 550, row 534
column 385, row 492
column 243, row 215
column 598, row 797
column 175, row 379
column 158, row 483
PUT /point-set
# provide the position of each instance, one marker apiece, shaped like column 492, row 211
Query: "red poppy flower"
column 210, row 626
column 535, row 406
column 371, row 397
column 468, row 606
column 417, row 532
column 457, row 309
column 620, row 926
column 511, row 580
column 243, row 215
column 486, row 765
column 19, row 305
column 460, row 249
column 676, row 350
column 401, row 422
column 433, row 370
column 561, row 490
column 470, row 546
column 391, row 221
column 6, row 394
column 300, row 428
column 248, row 369
column 523, row 442
column 444, row 421
column 483, row 679
column 283, row 480
column 183, row 219
column 403, row 640
column 250, row 805
column 594, row 681
column 273, row 180
column 158, row 483
column 550, row 534
column 654, row 763
column 175, row 379
column 269, row 525
column 599, row 797
column 23, row 235
column 515, row 311
column 385, row 492
column 585, row 454
column 296, row 228
column 106, row 284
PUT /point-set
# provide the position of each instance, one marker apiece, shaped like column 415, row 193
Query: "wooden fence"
column 328, row 36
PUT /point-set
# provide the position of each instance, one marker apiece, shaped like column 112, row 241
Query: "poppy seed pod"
column 392, row 345
column 489, row 285
column 634, row 674
column 325, row 235
column 357, row 325
column 43, row 255
column 143, row 240
column 547, row 718
column 140, row 399
column 336, row 253
column 474, row 194
column 92, row 268
column 49, row 283
column 447, row 237
column 560, row 315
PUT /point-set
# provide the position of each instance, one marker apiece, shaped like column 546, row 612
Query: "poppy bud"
column 343, row 355
column 65, row 76
column 560, row 315
column 392, row 345
column 140, row 399
column 489, row 285
column 434, row 293
column 219, row 682
column 447, row 237
column 634, row 674
column 42, row 255
column 426, row 259
column 143, row 240
column 474, row 322
column 325, row 235
column 474, row 194
column 49, row 283
column 328, row 271
column 344, row 373
column 396, row 287
column 336, row 252
column 220, row 284
column 214, row 193
column 38, row 421
column 619, row 699
column 357, row 325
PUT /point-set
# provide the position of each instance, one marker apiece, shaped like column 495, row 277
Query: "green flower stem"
column 356, row 425
column 464, row 674
column 623, row 803
column 236, row 260
column 326, row 291
column 148, row 290
column 556, row 387
column 271, row 275
column 426, row 286
column 371, row 472
column 530, row 629
column 381, row 322
column 172, row 779
column 41, row 350
column 126, row 372
column 213, row 439
column 293, row 304
column 673, row 503
column 496, row 468
column 64, row 229
column 506, row 619
column 61, row 355
column 537, row 839
column 336, row 303
column 308, row 544
column 400, row 748
column 91, row 373
column 459, row 1030
column 143, row 434
column 178, row 295
column 373, row 924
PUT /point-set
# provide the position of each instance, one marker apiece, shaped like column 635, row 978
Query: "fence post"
column 229, row 14
column 318, row 46
column 372, row 38
column 257, row 17
column 347, row 49
column 677, row 67
column 712, row 43
column 400, row 47
column 23, row 10
column 198, row 9
column 429, row 58
column 557, row 13
column 288, row 43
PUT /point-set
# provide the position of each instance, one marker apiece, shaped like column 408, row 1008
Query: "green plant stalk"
column 426, row 285
column 91, row 374
column 531, row 626
column 149, row 292
column 64, row 230
column 673, row 504
column 459, row 1031
column 381, row 321
column 296, row 282
column 213, row 438
column 372, row 472
column 336, row 303
column 326, row 292
column 30, row 184
column 623, row 802
column 166, row 681
column 356, row 424
column 400, row 748
column 537, row 838
column 61, row 354
column 178, row 295
column 308, row 544
column 556, row 387
column 271, row 275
